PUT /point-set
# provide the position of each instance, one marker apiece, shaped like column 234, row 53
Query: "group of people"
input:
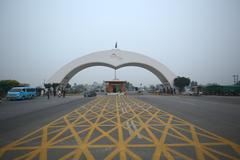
column 59, row 93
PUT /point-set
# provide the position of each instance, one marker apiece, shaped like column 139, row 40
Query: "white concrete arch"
column 115, row 59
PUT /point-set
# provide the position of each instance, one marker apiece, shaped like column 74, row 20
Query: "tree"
column 152, row 88
column 129, row 86
column 47, row 85
column 54, row 85
column 181, row 82
column 6, row 85
column 68, row 85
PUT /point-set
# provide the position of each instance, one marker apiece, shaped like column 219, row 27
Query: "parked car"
column 17, row 93
column 90, row 94
column 188, row 92
column 191, row 93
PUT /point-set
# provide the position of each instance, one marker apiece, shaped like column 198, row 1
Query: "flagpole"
column 115, row 75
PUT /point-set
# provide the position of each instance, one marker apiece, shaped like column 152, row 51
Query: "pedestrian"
column 42, row 92
column 63, row 92
column 171, row 91
column 54, row 92
column 48, row 93
column 59, row 93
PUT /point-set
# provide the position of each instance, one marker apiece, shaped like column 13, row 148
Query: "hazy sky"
column 199, row 39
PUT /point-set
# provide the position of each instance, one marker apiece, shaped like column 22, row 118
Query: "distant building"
column 115, row 86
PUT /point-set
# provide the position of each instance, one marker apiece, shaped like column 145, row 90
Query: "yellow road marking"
column 120, row 127
column 121, row 146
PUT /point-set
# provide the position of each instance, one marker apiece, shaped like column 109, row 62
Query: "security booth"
column 115, row 86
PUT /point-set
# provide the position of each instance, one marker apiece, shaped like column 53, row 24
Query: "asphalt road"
column 218, row 114
column 18, row 118
column 122, row 127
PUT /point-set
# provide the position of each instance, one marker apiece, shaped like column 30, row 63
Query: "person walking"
column 48, row 93
column 42, row 92
column 54, row 92
column 64, row 93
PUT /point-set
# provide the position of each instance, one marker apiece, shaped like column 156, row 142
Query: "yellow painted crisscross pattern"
column 119, row 127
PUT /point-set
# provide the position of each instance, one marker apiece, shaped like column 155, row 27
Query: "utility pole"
column 235, row 79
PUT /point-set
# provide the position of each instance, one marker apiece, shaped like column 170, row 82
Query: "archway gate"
column 115, row 59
